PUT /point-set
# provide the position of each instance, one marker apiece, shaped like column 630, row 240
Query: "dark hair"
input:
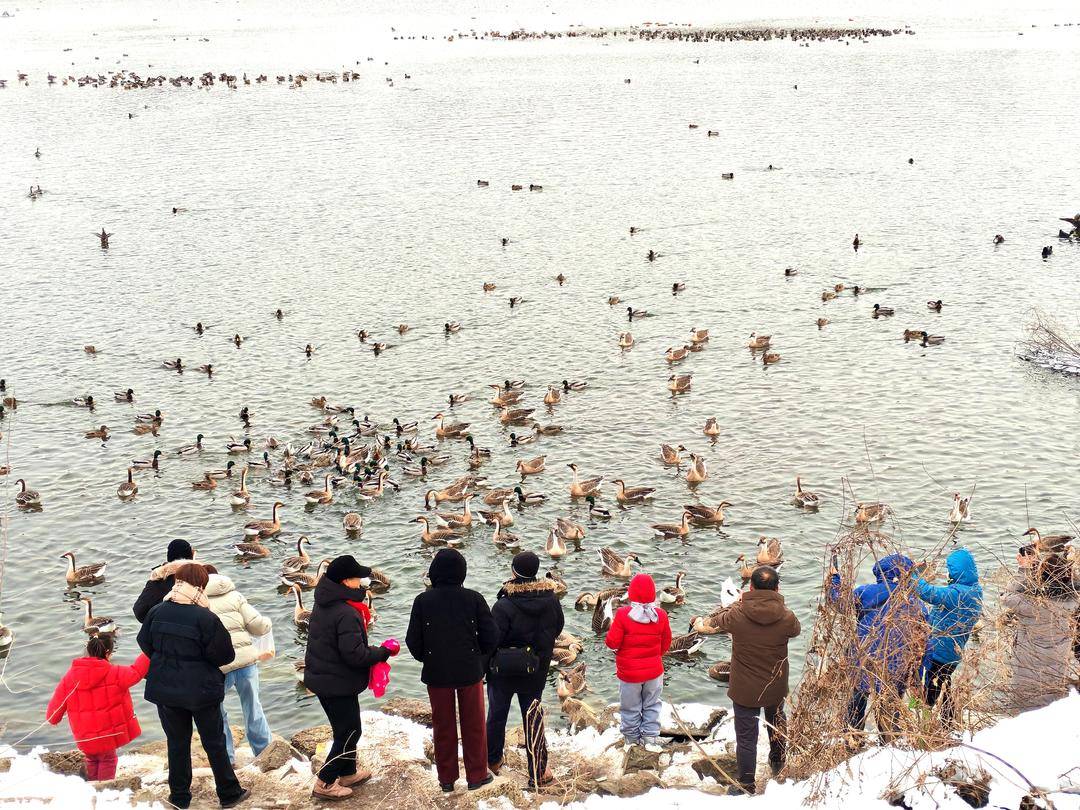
column 209, row 569
column 99, row 646
column 193, row 574
column 765, row 578
column 1053, row 577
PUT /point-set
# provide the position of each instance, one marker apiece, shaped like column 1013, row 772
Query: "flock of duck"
column 690, row 33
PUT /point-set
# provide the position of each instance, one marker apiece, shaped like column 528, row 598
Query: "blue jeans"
column 246, row 682
column 639, row 708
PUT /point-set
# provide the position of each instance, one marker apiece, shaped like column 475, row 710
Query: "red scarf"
column 365, row 613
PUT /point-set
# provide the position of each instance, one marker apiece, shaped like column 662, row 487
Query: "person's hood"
column 530, row 595
column 642, row 589
column 219, row 585
column 90, row 671
column 166, row 570
column 962, row 568
column 763, row 607
column 327, row 592
column 447, row 568
column 891, row 568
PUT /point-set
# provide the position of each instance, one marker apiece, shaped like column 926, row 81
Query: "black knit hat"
column 447, row 568
column 346, row 567
column 179, row 550
column 526, row 564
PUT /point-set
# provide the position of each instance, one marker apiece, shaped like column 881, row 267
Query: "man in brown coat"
column 760, row 626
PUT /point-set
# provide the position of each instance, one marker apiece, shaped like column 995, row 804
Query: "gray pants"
column 639, row 708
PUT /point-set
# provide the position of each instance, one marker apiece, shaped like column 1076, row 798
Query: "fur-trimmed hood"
column 520, row 586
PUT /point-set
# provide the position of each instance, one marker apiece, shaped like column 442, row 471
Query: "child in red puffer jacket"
column 640, row 635
column 94, row 693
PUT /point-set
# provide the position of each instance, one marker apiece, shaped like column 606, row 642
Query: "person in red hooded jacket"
column 640, row 635
column 94, row 694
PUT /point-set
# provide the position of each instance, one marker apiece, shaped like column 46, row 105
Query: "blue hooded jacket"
column 884, row 636
column 957, row 606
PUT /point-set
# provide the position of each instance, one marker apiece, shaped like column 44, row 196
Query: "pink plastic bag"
column 379, row 678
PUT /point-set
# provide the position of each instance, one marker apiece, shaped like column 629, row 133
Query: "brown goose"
column 673, row 530
column 26, row 497
column 803, row 498
column 614, row 565
column 770, row 552
column 303, row 578
column 670, row 455
column 437, row 537
column 127, row 489
column 625, row 494
column 301, row 560
column 706, row 515
column 686, row 644
column 571, row 682
column 251, row 550
column 83, row 575
column 94, row 625
column 301, row 616
column 674, row 594
column 585, row 487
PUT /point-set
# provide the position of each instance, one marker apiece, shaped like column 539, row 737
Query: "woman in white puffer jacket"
column 242, row 621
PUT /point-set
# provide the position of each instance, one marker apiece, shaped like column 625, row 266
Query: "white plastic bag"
column 264, row 645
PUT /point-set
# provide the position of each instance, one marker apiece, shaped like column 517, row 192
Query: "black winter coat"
column 528, row 613
column 338, row 659
column 152, row 593
column 186, row 645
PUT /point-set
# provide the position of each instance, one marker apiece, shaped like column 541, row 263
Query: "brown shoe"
column 545, row 779
column 495, row 767
column 352, row 780
column 331, row 792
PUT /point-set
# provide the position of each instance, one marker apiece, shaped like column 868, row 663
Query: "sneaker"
column 630, row 742
column 361, row 776
column 330, row 792
column 652, row 744
column 546, row 779
column 487, row 780
column 446, row 787
column 246, row 794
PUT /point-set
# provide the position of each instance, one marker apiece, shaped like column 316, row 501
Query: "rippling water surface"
column 356, row 206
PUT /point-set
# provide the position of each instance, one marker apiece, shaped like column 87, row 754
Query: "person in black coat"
column 337, row 666
column 186, row 644
column 161, row 579
column 527, row 614
column 451, row 632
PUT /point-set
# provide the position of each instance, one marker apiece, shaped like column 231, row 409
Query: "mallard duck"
column 324, row 495
column 625, row 494
column 769, row 358
column 318, row 402
column 191, row 449
column 352, row 522
column 238, row 447
column 613, row 565
column 790, row 272
column 553, row 396
column 597, row 512
column 252, row 549
column 686, row 644
column 770, row 552
column 458, row 399
column 489, row 286
column 679, row 383
column 504, row 539
column 745, row 569
column 225, row 472
column 451, row 327
column 128, row 489
column 881, row 312
column 712, row 427
column 670, row 455
column 503, row 514
column 402, row 328
column 260, row 463
column 571, row 682
column 912, row 334
column 101, row 433
column 822, row 323
column 698, row 471
column 301, row 560
column 83, row 575
column 301, row 617
column 804, row 499
column 531, row 467
column 759, row 341
column 514, row 416
column 455, row 430
column 670, row 530
column 867, row 513
column 698, row 335
column 961, row 509
column 633, row 314
column 674, row 594
column 706, row 516
column 173, row 365
column 265, row 528
column 583, row 488
column 626, row 340
column 207, row 369
column 935, row 306
column 147, row 463
column 84, row 402
column 204, row 483
column 932, row 340
column 495, row 497
column 241, row 496
column 150, row 418
column 613, row 300
column 838, row 288
column 546, row 430
column 96, row 625
column 673, row 355
column 565, row 656
column 406, row 427
column 678, row 287
column 529, row 498
column 437, row 537
column 555, row 546
column 124, row 396
column 463, row 519
column 304, row 579
column 828, row 295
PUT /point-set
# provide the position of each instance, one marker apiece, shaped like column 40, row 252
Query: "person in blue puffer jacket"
column 956, row 608
column 890, row 637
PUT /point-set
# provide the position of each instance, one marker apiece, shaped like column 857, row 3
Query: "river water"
column 356, row 206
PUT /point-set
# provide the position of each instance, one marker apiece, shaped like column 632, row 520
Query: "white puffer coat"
column 240, row 619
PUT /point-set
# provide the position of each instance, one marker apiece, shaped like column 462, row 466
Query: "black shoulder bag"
column 509, row 662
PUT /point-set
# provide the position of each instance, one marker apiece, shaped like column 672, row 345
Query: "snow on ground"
column 29, row 784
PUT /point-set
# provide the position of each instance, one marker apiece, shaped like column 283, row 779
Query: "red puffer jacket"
column 94, row 693
column 639, row 648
